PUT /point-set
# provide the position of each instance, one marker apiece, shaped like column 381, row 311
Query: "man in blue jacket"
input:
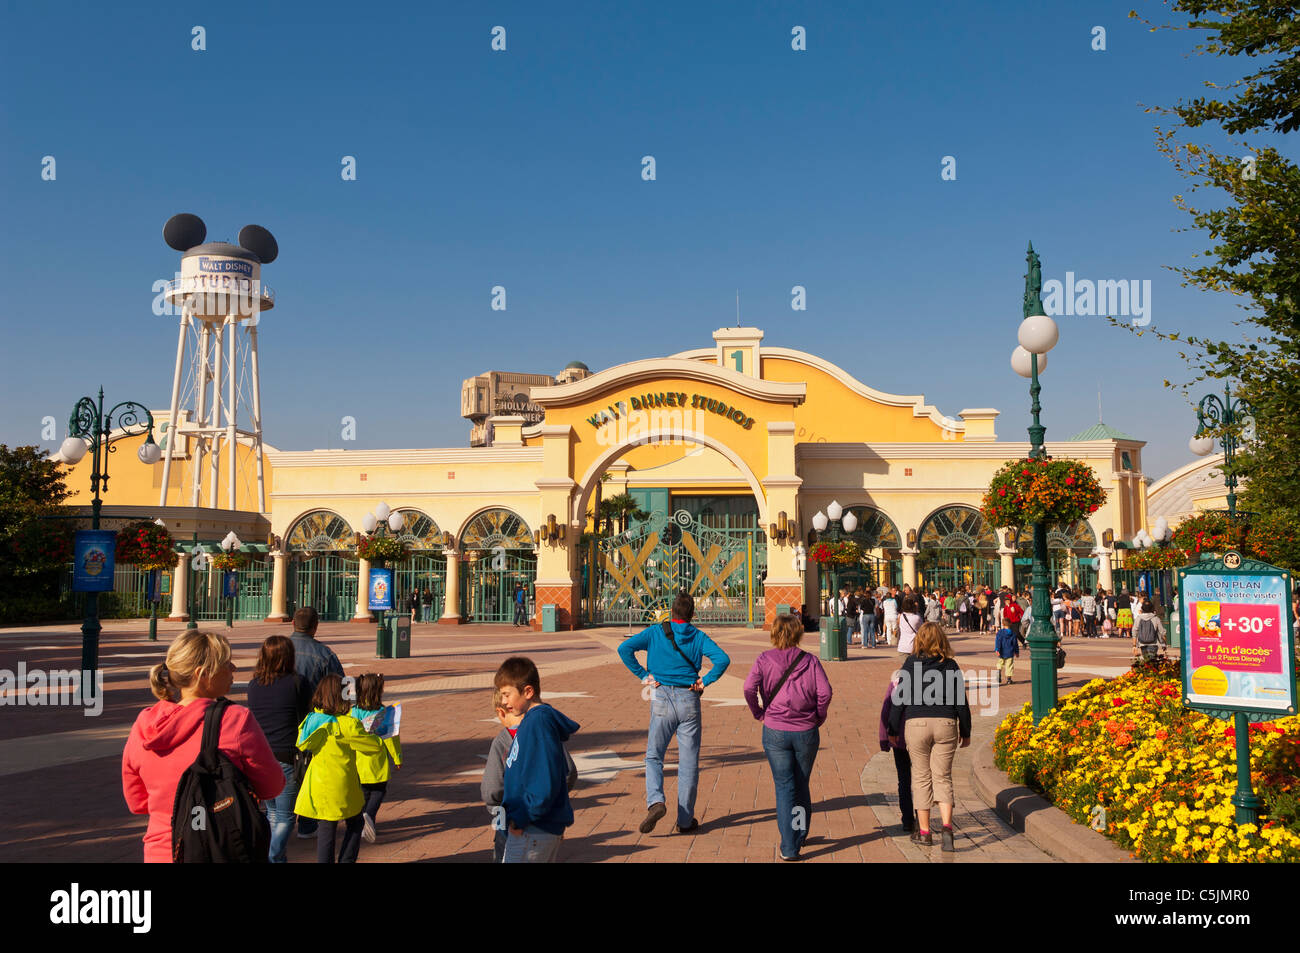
column 674, row 676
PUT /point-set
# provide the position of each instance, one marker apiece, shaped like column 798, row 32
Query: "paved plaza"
column 62, row 786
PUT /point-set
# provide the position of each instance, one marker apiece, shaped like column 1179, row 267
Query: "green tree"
column 33, row 550
column 1252, row 222
column 619, row 510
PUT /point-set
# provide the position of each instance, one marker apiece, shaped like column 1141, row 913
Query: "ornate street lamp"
column 1228, row 416
column 830, row 523
column 382, row 517
column 89, row 428
column 230, row 545
column 1038, row 334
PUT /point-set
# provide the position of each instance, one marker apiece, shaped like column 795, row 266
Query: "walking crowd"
column 316, row 749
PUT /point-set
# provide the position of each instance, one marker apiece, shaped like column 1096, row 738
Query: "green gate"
column 325, row 581
column 487, row 585
column 638, row 573
column 129, row 595
column 949, row 570
column 253, row 601
column 423, row 571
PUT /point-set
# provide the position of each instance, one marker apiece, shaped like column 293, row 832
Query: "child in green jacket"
column 331, row 788
column 381, row 720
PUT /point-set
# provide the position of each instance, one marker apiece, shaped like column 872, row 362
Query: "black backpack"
column 1145, row 633
column 215, row 818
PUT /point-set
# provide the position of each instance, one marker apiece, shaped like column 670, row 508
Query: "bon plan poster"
column 1238, row 647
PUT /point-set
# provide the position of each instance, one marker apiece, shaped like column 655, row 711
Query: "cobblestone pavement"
column 62, row 799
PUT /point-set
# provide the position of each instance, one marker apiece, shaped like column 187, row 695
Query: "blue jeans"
column 674, row 709
column 534, row 846
column 869, row 630
column 279, row 812
column 791, row 755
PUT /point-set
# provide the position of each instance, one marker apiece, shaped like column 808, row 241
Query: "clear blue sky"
column 475, row 168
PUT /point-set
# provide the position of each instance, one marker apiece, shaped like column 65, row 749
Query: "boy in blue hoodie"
column 1008, row 650
column 536, row 798
column 675, row 662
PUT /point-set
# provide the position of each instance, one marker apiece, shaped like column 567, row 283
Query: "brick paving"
column 62, row 798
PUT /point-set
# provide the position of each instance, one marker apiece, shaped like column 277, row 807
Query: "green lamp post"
column 383, row 517
column 90, row 429
column 1228, row 416
column 230, row 545
column 830, row 523
column 1038, row 334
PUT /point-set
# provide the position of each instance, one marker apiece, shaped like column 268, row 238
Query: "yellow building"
column 728, row 452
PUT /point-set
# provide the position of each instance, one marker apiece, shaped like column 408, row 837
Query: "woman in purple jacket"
column 795, row 694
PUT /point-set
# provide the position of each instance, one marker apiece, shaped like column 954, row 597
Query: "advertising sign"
column 381, row 589
column 92, row 560
column 1239, row 652
column 230, row 583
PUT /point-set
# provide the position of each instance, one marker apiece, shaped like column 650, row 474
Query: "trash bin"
column 548, row 619
column 399, row 641
column 782, row 609
column 834, row 645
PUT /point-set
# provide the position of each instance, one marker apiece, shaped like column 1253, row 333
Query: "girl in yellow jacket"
column 384, row 721
column 331, row 788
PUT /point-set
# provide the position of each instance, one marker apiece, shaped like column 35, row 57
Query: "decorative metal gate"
column 327, row 582
column 426, row 572
column 253, row 601
column 488, row 583
column 951, row 570
column 638, row 573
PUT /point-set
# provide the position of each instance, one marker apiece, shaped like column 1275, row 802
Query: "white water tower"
column 221, row 297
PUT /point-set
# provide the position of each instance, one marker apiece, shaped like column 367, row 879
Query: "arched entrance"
column 881, row 564
column 1069, row 555
column 500, row 555
column 424, row 570
column 322, row 570
column 957, row 548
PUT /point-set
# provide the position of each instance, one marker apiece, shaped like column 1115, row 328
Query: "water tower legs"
column 176, row 402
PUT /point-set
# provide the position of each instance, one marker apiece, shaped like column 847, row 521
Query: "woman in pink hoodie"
column 795, row 695
column 165, row 738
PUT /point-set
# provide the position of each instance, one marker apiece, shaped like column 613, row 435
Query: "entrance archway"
column 500, row 556
column 424, row 570
column 1070, row 548
column 958, row 548
column 322, row 570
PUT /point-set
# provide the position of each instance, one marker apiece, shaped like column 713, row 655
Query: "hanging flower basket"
column 146, row 545
column 379, row 549
column 1204, row 533
column 224, row 560
column 1027, row 492
column 1164, row 557
column 844, row 553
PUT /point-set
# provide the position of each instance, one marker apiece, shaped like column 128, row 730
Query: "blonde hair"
column 787, row 631
column 194, row 655
column 931, row 640
column 497, row 703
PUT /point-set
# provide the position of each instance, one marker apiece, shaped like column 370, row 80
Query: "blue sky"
column 522, row 168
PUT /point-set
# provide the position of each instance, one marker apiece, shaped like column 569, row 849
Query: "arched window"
column 419, row 531
column 321, row 532
column 1077, row 537
column 496, row 527
column 957, row 527
column 875, row 529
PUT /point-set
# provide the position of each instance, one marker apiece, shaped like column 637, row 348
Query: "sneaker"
column 945, row 836
column 652, row 816
column 784, row 857
column 368, row 828
column 922, row 839
column 690, row 828
column 1011, row 681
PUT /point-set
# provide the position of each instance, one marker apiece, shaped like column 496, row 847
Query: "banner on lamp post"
column 381, row 590
column 92, row 560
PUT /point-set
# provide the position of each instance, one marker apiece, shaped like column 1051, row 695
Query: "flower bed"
column 1161, row 774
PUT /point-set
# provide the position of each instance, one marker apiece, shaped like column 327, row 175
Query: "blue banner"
column 381, row 589
column 92, row 560
column 230, row 583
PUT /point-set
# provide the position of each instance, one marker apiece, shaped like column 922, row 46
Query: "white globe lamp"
column 1038, row 334
column 834, row 511
column 149, row 452
column 1021, row 362
column 1201, row 446
column 382, row 511
column 850, row 522
column 73, row 449
column 396, row 521
column 368, row 522
column 820, row 522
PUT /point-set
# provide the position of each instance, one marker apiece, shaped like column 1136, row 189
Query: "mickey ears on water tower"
column 260, row 242
column 184, row 231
